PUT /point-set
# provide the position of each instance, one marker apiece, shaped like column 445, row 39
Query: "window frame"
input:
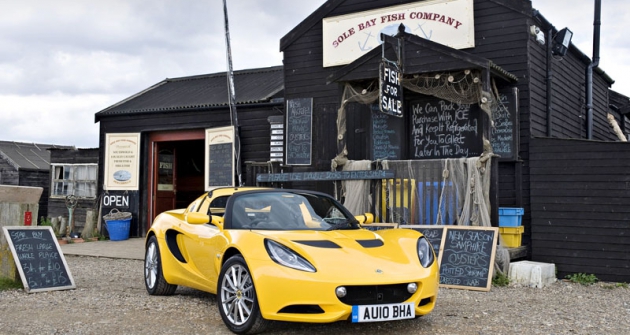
column 72, row 179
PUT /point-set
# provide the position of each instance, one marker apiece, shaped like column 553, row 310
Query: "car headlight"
column 425, row 252
column 287, row 257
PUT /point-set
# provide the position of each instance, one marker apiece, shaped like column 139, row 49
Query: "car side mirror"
column 197, row 218
column 366, row 218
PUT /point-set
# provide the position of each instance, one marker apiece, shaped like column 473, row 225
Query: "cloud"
column 68, row 119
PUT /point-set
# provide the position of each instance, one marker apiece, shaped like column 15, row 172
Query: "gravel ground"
column 110, row 298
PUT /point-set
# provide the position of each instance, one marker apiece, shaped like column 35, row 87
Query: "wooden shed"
column 27, row 164
column 74, row 173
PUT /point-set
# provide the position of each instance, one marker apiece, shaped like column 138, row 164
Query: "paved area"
column 132, row 248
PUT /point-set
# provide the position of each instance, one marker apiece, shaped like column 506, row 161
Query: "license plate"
column 376, row 313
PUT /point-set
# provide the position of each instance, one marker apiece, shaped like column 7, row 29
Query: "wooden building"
column 27, row 164
column 74, row 173
column 474, row 78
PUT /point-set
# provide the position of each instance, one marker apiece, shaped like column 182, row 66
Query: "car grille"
column 376, row 294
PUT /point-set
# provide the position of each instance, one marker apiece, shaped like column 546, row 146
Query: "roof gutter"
column 280, row 102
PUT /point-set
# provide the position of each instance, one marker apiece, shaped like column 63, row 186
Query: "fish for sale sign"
column 391, row 91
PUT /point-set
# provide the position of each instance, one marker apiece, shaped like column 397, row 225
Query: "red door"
column 165, row 178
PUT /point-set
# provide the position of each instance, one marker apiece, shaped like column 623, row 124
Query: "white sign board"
column 122, row 161
column 348, row 37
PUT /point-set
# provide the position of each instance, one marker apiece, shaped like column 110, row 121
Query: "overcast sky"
column 63, row 61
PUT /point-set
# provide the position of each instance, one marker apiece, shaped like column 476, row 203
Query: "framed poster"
column 122, row 161
column 219, row 164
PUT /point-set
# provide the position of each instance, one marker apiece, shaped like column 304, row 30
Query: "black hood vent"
column 320, row 244
column 370, row 243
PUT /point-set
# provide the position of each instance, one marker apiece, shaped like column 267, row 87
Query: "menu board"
column 386, row 136
column 39, row 259
column 467, row 257
column 504, row 135
column 299, row 130
column 220, row 157
column 443, row 129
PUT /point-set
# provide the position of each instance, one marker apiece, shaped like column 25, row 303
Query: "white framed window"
column 74, row 179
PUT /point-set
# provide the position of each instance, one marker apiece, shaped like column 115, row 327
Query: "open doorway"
column 177, row 163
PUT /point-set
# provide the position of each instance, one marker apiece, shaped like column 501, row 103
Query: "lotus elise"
column 289, row 255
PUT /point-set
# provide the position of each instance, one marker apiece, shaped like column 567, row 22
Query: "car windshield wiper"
column 345, row 224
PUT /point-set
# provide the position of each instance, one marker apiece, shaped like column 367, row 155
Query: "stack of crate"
column 510, row 226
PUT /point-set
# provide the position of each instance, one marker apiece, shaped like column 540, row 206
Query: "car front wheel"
column 153, row 276
column 236, row 296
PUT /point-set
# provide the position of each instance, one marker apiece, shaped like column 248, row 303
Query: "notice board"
column 443, row 129
column 505, row 132
column 386, row 136
column 299, row 127
column 39, row 259
column 465, row 254
column 467, row 257
column 219, row 157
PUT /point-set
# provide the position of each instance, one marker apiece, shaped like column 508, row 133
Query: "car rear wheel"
column 153, row 277
column 236, row 296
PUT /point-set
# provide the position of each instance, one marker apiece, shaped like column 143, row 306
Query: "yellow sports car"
column 289, row 255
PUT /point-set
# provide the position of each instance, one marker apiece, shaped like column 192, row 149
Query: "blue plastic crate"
column 510, row 217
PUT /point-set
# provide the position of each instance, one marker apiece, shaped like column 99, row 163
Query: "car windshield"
column 288, row 211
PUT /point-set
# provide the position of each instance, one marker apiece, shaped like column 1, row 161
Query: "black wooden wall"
column 580, row 191
column 8, row 174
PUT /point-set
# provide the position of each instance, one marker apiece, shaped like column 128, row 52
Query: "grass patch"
column 582, row 278
column 500, row 280
column 613, row 286
column 9, row 284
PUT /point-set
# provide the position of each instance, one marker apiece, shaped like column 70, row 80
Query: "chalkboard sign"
column 432, row 233
column 505, row 133
column 221, row 172
column 299, row 129
column 443, row 129
column 467, row 257
column 379, row 226
column 39, row 259
column 386, row 136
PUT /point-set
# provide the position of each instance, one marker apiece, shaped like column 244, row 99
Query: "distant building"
column 27, row 164
column 73, row 172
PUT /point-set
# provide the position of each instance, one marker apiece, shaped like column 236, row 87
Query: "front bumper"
column 291, row 295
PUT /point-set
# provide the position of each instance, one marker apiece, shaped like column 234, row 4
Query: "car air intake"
column 376, row 294
column 302, row 309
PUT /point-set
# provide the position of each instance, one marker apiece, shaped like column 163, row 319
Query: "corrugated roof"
column 202, row 91
column 30, row 156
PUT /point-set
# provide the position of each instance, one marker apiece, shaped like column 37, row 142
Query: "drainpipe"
column 549, row 83
column 589, row 70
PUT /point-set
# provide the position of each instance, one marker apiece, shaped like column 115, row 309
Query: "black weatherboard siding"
column 580, row 214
